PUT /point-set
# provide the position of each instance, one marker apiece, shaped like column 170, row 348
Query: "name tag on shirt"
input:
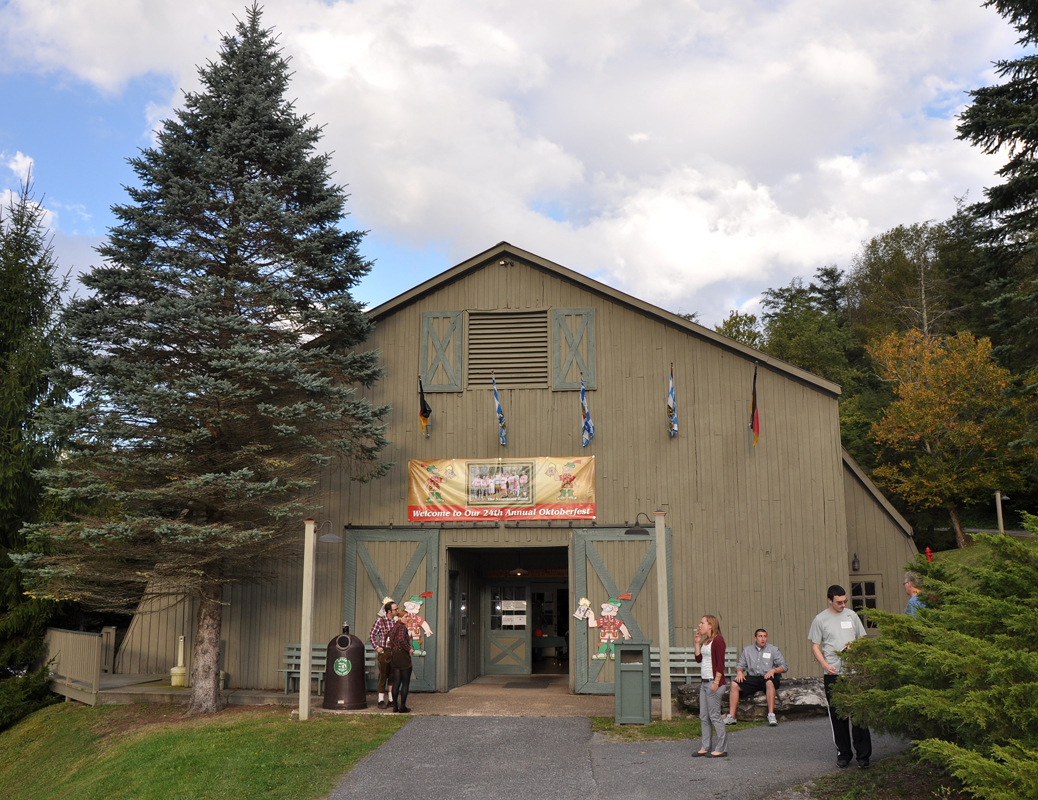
column 765, row 655
column 846, row 624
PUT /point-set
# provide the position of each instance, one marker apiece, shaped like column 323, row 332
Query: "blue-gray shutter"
column 440, row 363
column 573, row 347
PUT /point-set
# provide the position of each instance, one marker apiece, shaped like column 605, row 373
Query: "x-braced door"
column 398, row 564
column 607, row 564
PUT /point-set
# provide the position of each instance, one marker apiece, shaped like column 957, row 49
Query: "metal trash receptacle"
column 344, row 673
column 631, row 681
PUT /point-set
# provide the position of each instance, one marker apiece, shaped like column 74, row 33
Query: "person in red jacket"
column 710, row 654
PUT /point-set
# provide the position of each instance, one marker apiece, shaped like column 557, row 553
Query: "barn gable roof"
column 873, row 490
column 503, row 249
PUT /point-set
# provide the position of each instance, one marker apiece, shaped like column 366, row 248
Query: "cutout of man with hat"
column 610, row 627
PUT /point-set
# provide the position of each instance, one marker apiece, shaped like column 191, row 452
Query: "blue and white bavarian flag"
column 500, row 413
column 672, row 406
column 587, row 430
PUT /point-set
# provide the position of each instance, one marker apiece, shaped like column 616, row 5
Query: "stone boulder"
column 796, row 697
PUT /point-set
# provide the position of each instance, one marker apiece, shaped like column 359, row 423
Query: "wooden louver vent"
column 514, row 344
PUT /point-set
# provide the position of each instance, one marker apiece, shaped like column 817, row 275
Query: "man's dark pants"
column 382, row 659
column 860, row 737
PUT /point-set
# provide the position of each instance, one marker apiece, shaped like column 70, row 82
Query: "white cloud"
column 691, row 153
column 20, row 164
column 9, row 198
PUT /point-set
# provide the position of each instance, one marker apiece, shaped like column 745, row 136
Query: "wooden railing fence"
column 77, row 659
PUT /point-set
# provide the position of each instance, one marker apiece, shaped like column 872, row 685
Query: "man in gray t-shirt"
column 831, row 631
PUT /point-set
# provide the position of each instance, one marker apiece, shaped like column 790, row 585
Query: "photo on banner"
column 550, row 488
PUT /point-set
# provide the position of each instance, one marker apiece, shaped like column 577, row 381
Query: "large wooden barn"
column 501, row 542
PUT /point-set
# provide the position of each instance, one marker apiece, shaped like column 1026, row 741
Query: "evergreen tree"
column 1001, row 118
column 216, row 364
column 961, row 677
column 30, row 300
column 798, row 330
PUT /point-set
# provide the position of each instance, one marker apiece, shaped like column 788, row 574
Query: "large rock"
column 796, row 697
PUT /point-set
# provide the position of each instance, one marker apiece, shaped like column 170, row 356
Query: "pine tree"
column 961, row 677
column 30, row 300
column 215, row 366
column 1001, row 118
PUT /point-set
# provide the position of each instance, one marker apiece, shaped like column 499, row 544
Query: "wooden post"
column 663, row 593
column 998, row 508
column 306, row 635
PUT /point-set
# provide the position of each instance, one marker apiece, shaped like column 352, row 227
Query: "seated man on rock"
column 757, row 670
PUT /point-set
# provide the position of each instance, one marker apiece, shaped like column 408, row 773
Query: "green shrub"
column 20, row 696
column 962, row 677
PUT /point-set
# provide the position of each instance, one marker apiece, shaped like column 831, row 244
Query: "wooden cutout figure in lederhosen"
column 416, row 625
column 610, row 627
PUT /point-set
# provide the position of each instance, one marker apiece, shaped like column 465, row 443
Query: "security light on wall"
column 638, row 530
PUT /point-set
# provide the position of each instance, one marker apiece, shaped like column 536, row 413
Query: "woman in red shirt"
column 712, row 688
column 399, row 643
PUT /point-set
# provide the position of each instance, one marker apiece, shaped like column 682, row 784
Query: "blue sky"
column 692, row 154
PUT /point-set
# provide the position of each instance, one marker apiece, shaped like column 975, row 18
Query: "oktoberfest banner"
column 454, row 489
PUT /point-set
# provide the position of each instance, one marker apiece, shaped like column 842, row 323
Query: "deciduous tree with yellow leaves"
column 952, row 433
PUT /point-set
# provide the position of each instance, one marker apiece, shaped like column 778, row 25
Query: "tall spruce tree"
column 30, row 301
column 215, row 365
column 1001, row 118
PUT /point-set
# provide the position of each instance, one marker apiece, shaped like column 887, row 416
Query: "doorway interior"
column 509, row 612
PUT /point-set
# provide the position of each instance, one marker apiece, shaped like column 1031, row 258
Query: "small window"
column 863, row 595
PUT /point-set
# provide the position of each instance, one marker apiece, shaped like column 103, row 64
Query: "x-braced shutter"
column 441, row 351
column 573, row 347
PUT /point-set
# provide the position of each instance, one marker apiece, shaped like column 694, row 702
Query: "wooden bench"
column 294, row 662
column 683, row 664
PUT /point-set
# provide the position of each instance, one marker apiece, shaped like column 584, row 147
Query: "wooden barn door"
column 401, row 565
column 608, row 563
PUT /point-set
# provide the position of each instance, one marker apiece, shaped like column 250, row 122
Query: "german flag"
column 424, row 409
column 754, row 413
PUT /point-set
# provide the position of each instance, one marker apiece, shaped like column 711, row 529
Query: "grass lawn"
column 976, row 555
column 677, row 728
column 149, row 752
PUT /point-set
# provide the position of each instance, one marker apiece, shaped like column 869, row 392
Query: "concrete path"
column 553, row 758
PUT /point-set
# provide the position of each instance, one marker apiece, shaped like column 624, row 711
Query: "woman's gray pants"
column 710, row 712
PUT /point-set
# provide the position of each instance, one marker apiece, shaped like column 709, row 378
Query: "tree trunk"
column 960, row 537
column 205, row 665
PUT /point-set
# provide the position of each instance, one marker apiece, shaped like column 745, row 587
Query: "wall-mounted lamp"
column 855, row 563
column 638, row 530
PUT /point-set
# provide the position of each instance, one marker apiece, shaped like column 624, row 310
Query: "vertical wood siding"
column 882, row 545
column 758, row 532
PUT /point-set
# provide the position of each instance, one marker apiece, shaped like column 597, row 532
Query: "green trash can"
column 631, row 679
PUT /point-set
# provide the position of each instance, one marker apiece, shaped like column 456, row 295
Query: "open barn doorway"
column 508, row 611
